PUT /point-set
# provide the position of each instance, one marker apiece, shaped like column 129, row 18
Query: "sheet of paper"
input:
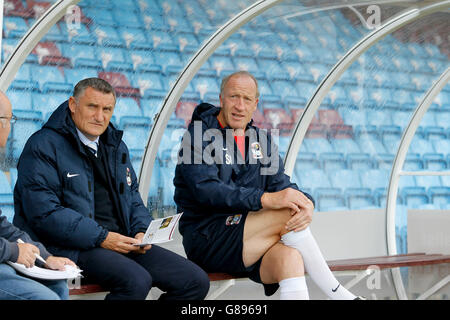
column 48, row 274
column 160, row 230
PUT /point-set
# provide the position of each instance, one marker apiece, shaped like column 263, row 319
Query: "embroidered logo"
column 128, row 177
column 256, row 150
column 233, row 219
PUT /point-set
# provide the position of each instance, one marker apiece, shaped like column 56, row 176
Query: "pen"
column 37, row 256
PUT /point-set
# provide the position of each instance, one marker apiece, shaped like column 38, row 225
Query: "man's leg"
column 180, row 278
column 264, row 228
column 280, row 264
column 125, row 278
column 16, row 287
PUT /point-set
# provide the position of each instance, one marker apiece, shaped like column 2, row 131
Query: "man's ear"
column 72, row 104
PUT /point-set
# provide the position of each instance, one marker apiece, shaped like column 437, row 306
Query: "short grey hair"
column 238, row 73
column 94, row 83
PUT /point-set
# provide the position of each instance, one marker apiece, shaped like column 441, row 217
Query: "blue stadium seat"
column 146, row 82
column 126, row 107
column 345, row 146
column 73, row 76
column 414, row 197
column 141, row 57
column 283, row 88
column 318, row 145
column 379, row 118
column 428, row 181
column 134, row 37
column 160, row 39
column 332, row 161
column 128, row 18
column 371, row 146
column 314, row 178
column 14, row 27
column 439, row 196
column 20, row 99
column 435, row 132
column 76, row 51
column 107, row 36
column 8, row 211
column 353, row 117
column 27, row 123
column 167, row 55
column 442, row 146
column 47, row 103
column 5, row 186
column 101, row 16
column 406, row 182
column 345, row 178
column 375, row 178
column 79, row 35
column 247, row 64
column 135, row 131
column 421, row 146
column 307, row 161
column 220, row 63
column 205, row 82
column 43, row 74
column 413, row 162
column 360, row 198
column 359, row 161
column 152, row 103
column 434, row 161
column 329, row 199
column 384, row 161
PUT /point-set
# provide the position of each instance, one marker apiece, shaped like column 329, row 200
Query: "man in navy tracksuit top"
column 78, row 194
column 238, row 203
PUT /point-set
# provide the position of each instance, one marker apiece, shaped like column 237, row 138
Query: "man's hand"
column 26, row 254
column 139, row 237
column 300, row 207
column 58, row 263
column 122, row 244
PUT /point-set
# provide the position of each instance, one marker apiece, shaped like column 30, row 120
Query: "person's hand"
column 285, row 199
column 26, row 254
column 139, row 236
column 58, row 263
column 117, row 242
column 300, row 220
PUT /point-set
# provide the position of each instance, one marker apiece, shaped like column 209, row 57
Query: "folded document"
column 71, row 272
column 160, row 230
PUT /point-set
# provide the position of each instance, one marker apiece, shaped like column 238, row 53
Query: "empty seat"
column 135, row 131
column 44, row 74
column 375, row 178
column 442, row 146
column 344, row 178
column 439, row 196
column 107, row 36
column 360, row 198
column 413, row 162
column 14, row 27
column 315, row 178
column 329, row 199
column 73, row 76
column 318, row 145
column 126, row 107
column 279, row 119
column 414, row 197
column 283, row 88
column 246, row 64
column 359, row 161
column 371, row 146
column 428, row 181
column 421, row 146
column 434, row 161
column 332, row 161
column 306, row 161
column 147, row 81
column 435, row 132
column 345, row 146
column 27, row 123
column 47, row 103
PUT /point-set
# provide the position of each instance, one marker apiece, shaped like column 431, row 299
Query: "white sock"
column 316, row 265
column 294, row 289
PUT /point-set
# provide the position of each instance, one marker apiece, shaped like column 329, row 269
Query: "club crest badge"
column 256, row 150
column 128, row 177
column 233, row 219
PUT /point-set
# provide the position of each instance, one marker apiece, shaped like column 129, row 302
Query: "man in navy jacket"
column 13, row 285
column 78, row 193
column 241, row 212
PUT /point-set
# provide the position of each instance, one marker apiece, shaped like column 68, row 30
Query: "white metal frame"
column 391, row 200
column 30, row 39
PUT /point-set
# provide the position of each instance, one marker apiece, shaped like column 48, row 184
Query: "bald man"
column 14, row 286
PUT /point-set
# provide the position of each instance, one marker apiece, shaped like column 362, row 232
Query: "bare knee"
column 292, row 262
column 282, row 263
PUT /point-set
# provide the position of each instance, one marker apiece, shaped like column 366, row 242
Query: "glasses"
column 11, row 119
